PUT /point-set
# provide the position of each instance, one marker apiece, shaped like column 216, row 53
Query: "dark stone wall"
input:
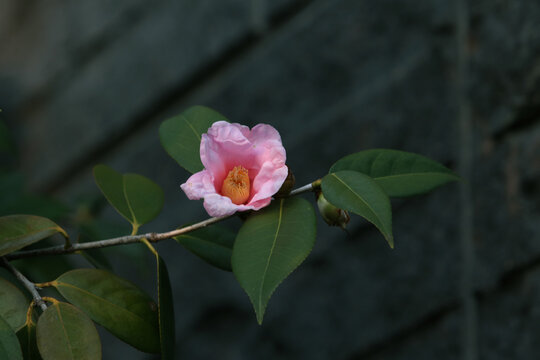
column 87, row 82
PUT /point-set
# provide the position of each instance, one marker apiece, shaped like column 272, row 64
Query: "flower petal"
column 226, row 146
column 199, row 185
column 222, row 131
column 256, row 205
column 268, row 181
column 262, row 133
column 218, row 205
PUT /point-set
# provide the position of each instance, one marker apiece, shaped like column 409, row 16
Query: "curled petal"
column 222, row 131
column 268, row 181
column 199, row 185
column 264, row 133
column 218, row 205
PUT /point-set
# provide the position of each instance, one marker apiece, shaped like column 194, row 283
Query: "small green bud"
column 332, row 215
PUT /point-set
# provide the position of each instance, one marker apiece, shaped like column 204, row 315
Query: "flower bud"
column 332, row 215
column 287, row 186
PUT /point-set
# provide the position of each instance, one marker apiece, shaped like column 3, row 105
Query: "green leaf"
column 181, row 135
column 64, row 332
column 360, row 194
column 116, row 304
column 8, row 275
column 144, row 198
column 27, row 340
column 135, row 197
column 9, row 344
column 399, row 173
column 13, row 305
column 270, row 245
column 18, row 231
column 213, row 244
column 111, row 184
column 166, row 312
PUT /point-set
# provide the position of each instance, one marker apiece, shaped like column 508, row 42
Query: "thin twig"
column 122, row 240
column 305, row 188
column 152, row 237
column 27, row 284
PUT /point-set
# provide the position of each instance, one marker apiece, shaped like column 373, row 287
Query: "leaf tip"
column 97, row 167
column 390, row 241
column 260, row 317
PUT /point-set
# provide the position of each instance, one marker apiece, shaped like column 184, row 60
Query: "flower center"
column 236, row 185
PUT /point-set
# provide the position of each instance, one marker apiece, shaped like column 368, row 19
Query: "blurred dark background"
column 88, row 82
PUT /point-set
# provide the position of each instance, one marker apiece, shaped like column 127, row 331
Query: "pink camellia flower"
column 243, row 168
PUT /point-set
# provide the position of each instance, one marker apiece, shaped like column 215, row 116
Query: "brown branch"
column 27, row 284
column 152, row 237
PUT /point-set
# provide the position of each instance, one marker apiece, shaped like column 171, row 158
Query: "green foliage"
column 9, row 345
column 14, row 305
column 166, row 311
column 181, row 135
column 135, row 197
column 27, row 339
column 399, row 173
column 213, row 244
column 360, row 194
column 18, row 231
column 65, row 333
column 270, row 245
column 116, row 304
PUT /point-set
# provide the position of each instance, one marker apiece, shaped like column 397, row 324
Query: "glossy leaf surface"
column 18, row 231
column 116, row 304
column 360, row 194
column 135, row 197
column 9, row 344
column 13, row 305
column 28, row 342
column 213, row 244
column 399, row 173
column 270, row 245
column 64, row 332
column 181, row 135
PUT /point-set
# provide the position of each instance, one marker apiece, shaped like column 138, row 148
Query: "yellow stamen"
column 236, row 185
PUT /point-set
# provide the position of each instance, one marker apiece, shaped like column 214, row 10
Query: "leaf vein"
column 64, row 328
column 102, row 299
column 359, row 197
column 192, row 128
column 271, row 253
column 414, row 174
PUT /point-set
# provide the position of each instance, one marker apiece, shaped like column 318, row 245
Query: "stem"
column 51, row 300
column 130, row 239
column 300, row 190
column 27, row 284
column 29, row 320
column 150, row 247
